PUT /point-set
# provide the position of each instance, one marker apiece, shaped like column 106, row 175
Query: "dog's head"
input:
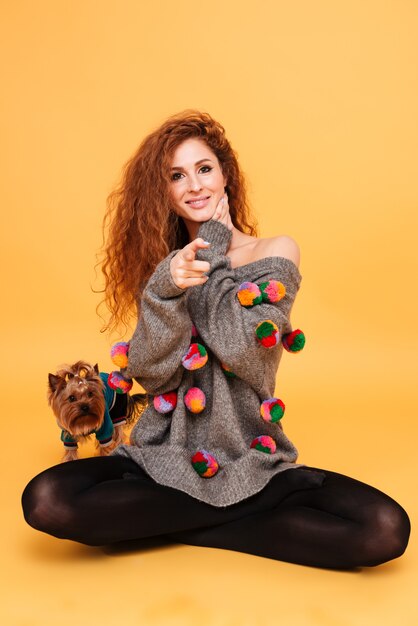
column 76, row 396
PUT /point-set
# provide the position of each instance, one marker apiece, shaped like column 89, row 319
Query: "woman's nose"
column 194, row 183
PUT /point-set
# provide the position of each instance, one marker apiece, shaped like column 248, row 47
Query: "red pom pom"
column 205, row 464
column 272, row 410
column 120, row 384
column 294, row 341
column 267, row 333
column 195, row 357
column 165, row 402
column 264, row 443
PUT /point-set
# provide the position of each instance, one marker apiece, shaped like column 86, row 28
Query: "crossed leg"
column 344, row 523
column 303, row 515
column 103, row 500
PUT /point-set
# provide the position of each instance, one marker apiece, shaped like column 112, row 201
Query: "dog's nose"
column 85, row 408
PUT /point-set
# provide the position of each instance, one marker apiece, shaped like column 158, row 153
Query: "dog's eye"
column 71, row 398
column 90, row 394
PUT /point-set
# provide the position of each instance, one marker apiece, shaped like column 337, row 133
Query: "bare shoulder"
column 282, row 245
column 250, row 249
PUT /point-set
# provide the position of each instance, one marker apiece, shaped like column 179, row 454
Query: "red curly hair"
column 140, row 223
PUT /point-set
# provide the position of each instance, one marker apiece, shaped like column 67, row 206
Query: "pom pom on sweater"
column 264, row 443
column 195, row 400
column 119, row 354
column 249, row 294
column 272, row 291
column 205, row 464
column 165, row 402
column 267, row 333
column 120, row 384
column 227, row 371
column 294, row 341
column 195, row 357
column 272, row 410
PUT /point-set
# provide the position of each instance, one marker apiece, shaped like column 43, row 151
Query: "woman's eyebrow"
column 177, row 167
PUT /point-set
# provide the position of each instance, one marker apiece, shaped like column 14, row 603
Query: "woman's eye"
column 205, row 169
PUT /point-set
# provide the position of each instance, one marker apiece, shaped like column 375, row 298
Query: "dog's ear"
column 96, row 369
column 53, row 381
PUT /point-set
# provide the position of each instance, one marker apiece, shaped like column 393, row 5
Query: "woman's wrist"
column 217, row 234
column 161, row 281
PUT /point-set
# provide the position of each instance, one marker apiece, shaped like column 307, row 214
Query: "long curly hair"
column 140, row 227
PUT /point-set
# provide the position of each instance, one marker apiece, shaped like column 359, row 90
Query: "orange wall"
column 320, row 102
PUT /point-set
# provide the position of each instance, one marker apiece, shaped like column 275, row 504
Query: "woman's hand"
column 185, row 270
column 222, row 212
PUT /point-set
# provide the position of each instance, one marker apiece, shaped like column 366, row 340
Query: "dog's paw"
column 70, row 455
column 118, row 435
column 106, row 450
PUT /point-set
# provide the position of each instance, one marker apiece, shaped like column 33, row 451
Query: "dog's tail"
column 137, row 403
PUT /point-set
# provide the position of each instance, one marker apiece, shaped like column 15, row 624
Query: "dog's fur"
column 75, row 394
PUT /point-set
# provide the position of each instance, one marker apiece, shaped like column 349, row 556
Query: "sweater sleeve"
column 162, row 335
column 245, row 339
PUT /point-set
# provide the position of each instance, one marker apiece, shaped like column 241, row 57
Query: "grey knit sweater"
column 238, row 376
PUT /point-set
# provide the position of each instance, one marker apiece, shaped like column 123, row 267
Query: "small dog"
column 83, row 403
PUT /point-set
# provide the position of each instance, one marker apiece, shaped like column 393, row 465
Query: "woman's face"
column 197, row 182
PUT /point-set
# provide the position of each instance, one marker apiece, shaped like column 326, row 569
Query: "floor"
column 47, row 580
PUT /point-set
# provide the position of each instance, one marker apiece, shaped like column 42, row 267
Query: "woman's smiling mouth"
column 198, row 203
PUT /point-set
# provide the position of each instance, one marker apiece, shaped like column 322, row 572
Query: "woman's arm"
column 162, row 335
column 236, row 334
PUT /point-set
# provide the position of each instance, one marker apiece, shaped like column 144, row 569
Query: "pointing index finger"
column 193, row 247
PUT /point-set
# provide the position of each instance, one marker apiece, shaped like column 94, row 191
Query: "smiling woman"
column 198, row 184
column 209, row 462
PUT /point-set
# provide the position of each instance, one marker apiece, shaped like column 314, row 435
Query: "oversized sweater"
column 208, row 356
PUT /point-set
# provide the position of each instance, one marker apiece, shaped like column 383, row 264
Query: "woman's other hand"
column 222, row 212
column 185, row 270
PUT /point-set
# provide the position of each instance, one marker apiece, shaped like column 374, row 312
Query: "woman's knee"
column 387, row 532
column 44, row 505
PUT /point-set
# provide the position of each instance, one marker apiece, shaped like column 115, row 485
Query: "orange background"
column 320, row 101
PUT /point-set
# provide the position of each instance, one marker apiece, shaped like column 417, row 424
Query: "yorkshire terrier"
column 84, row 403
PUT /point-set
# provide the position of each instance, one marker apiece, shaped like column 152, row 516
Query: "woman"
column 209, row 463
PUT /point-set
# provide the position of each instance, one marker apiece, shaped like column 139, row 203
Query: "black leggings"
column 304, row 515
